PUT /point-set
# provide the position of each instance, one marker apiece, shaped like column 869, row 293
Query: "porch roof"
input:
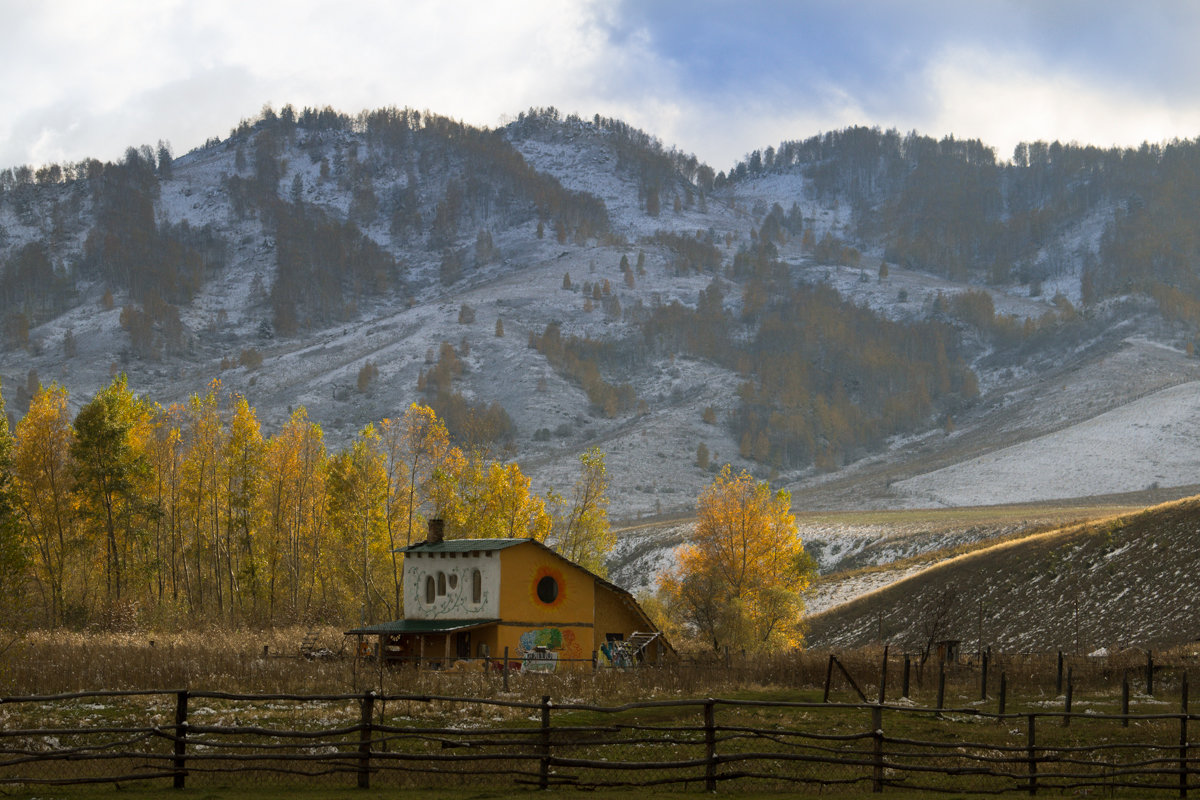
column 422, row 626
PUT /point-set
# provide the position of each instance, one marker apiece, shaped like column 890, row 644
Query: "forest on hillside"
column 393, row 205
column 951, row 208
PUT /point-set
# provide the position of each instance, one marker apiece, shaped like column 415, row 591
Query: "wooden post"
column 1003, row 692
column 828, row 679
column 181, row 715
column 877, row 736
column 1058, row 684
column 883, row 675
column 983, row 677
column 1031, row 750
column 907, row 668
column 544, row 776
column 364, row 740
column 1183, row 734
column 941, row 697
column 506, row 670
column 710, row 745
column 1150, row 673
column 1125, row 699
column 1070, row 694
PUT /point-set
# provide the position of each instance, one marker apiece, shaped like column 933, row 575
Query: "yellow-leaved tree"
column 739, row 582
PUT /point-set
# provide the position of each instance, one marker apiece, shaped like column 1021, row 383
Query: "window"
column 476, row 586
column 429, row 589
column 547, row 589
column 441, row 584
column 453, row 579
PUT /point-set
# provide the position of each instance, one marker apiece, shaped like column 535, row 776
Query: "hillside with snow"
column 1078, row 394
column 1114, row 583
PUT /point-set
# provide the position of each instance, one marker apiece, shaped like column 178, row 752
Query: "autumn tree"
column 111, row 470
column 44, row 482
column 294, row 518
column 581, row 531
column 11, row 553
column 358, row 492
column 241, row 477
column 740, row 579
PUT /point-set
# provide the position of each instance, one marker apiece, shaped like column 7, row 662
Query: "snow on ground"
column 1154, row 441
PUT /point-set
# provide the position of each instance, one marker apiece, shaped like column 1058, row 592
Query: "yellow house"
column 473, row 598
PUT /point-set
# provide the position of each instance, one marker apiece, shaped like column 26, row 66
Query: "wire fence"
column 196, row 738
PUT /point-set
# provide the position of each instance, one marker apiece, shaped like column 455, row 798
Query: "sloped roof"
column 461, row 545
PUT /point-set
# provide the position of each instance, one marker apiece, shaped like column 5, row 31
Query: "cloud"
column 716, row 78
column 1007, row 98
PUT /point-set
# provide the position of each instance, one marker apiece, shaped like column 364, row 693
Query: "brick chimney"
column 437, row 532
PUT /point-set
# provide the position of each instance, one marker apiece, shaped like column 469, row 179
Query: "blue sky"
column 87, row 78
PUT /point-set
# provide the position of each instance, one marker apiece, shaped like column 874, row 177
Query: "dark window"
column 428, row 588
column 441, row 586
column 476, row 586
column 547, row 589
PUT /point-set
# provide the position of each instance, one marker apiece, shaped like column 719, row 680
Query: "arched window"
column 429, row 598
column 441, row 584
column 476, row 586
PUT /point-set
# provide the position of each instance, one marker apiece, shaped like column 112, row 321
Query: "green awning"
column 399, row 626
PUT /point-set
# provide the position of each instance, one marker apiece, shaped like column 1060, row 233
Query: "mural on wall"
column 447, row 589
column 541, row 648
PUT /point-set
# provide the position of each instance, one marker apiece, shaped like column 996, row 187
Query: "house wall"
column 454, row 572
column 563, row 626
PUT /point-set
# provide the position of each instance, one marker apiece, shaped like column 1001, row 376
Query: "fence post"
column 883, row 675
column 364, row 740
column 907, row 667
column 1070, row 695
column 710, row 746
column 1125, row 699
column 544, row 777
column 1183, row 734
column 983, row 678
column 877, row 736
column 506, row 670
column 181, row 714
column 1003, row 693
column 1032, row 753
column 1150, row 673
column 828, row 679
column 1058, row 680
column 941, row 697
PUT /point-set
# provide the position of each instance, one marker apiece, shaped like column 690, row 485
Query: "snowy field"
column 1149, row 443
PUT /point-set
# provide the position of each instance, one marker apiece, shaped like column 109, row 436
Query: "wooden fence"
column 190, row 738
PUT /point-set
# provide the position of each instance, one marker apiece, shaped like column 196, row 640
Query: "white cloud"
column 1007, row 98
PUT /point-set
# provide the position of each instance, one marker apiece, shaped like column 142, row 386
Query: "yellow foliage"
column 739, row 582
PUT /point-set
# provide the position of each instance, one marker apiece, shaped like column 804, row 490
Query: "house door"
column 462, row 644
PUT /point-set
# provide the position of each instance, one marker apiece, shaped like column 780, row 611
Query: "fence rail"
column 365, row 739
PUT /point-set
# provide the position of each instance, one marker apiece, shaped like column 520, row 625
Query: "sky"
column 89, row 78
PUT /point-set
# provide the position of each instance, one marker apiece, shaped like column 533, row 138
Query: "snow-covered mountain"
column 482, row 239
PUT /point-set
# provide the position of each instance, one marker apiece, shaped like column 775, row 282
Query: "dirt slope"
column 1112, row 583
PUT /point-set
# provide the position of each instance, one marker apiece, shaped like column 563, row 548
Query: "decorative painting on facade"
column 451, row 589
column 541, row 648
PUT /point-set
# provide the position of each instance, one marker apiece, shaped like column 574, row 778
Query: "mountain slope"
column 1113, row 583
